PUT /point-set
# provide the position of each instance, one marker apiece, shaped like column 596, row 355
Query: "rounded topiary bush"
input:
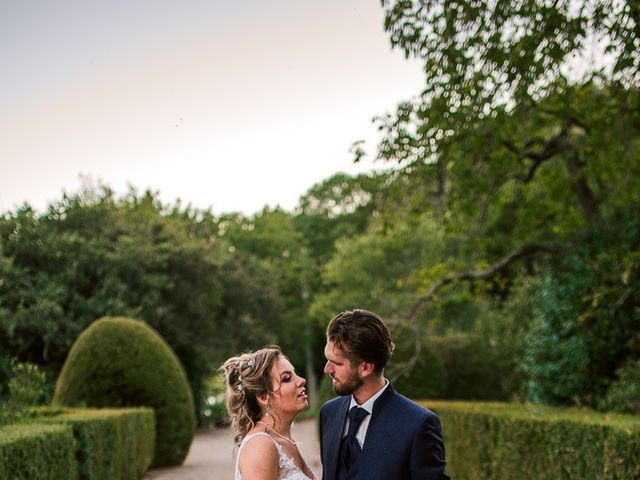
column 119, row 362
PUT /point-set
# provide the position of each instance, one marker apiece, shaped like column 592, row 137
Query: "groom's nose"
column 327, row 367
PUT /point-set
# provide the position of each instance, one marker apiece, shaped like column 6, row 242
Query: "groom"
column 370, row 431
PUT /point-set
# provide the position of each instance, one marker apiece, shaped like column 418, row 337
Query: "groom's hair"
column 362, row 336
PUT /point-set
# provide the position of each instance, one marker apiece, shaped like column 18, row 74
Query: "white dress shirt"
column 368, row 406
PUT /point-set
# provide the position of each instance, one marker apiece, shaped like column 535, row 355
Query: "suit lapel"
column 382, row 401
column 378, row 421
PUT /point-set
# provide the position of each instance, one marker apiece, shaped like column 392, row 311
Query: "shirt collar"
column 368, row 405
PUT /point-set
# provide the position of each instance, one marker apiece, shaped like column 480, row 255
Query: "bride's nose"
column 302, row 382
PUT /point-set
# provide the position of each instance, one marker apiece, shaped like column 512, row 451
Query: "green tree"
column 515, row 149
column 92, row 254
column 338, row 207
column 26, row 388
column 505, row 108
column 271, row 241
column 586, row 320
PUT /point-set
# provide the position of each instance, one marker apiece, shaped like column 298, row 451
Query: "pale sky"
column 226, row 105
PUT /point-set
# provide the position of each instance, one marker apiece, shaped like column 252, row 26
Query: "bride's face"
column 289, row 394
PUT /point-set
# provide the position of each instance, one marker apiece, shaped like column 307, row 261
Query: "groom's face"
column 344, row 374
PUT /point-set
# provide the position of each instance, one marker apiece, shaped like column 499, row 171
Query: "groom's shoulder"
column 333, row 404
column 410, row 407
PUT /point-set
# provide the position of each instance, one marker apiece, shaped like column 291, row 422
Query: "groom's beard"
column 349, row 386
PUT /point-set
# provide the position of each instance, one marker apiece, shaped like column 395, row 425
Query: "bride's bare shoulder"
column 259, row 458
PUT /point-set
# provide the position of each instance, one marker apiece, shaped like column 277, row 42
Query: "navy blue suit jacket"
column 404, row 440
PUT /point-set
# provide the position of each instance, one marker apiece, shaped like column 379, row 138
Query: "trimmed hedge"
column 506, row 441
column 110, row 443
column 37, row 452
column 121, row 362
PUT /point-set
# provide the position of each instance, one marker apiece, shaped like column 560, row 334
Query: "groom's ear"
column 366, row 369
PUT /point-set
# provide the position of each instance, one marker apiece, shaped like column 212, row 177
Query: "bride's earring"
column 273, row 420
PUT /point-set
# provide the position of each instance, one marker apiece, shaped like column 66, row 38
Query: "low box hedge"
column 110, row 443
column 37, row 452
column 507, row 441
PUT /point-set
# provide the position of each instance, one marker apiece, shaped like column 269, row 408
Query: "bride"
column 263, row 396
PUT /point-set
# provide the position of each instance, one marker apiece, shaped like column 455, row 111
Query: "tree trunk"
column 582, row 190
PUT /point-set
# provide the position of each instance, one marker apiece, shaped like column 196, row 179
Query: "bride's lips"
column 303, row 394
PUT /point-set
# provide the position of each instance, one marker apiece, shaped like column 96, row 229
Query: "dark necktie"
column 350, row 448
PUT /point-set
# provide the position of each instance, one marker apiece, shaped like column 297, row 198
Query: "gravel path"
column 212, row 456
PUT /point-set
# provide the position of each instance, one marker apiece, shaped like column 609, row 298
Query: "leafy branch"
column 486, row 274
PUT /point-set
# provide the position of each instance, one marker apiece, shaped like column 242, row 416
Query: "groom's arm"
column 427, row 454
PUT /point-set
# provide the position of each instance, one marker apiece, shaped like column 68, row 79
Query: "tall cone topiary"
column 119, row 362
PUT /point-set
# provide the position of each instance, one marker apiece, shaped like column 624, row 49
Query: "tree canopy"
column 518, row 162
column 502, row 226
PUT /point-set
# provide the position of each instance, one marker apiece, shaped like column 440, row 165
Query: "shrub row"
column 87, row 444
column 506, row 441
column 43, row 452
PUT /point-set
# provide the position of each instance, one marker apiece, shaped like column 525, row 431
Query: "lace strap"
column 246, row 440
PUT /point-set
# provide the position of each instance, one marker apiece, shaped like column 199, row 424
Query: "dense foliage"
column 92, row 254
column 520, row 160
column 27, row 388
column 586, row 323
column 503, row 232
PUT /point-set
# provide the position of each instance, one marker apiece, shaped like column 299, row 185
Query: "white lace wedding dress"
column 288, row 469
